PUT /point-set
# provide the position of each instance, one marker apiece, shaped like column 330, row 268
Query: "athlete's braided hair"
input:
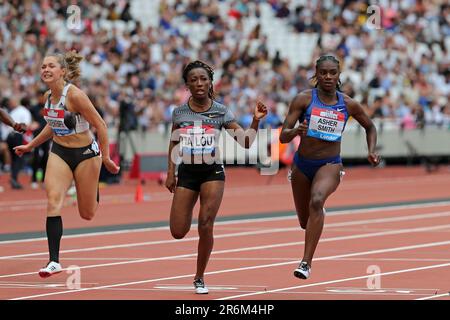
column 200, row 64
column 319, row 62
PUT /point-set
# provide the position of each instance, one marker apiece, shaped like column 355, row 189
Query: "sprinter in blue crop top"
column 323, row 113
column 75, row 155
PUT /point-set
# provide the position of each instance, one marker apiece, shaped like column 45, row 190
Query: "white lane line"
column 336, row 281
column 247, row 259
column 351, row 237
column 396, row 259
column 348, row 184
column 384, row 288
column 249, row 220
column 357, row 183
column 395, row 249
column 238, row 234
column 435, row 296
column 149, row 243
column 237, row 290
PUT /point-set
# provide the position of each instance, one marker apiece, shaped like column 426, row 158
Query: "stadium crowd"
column 399, row 71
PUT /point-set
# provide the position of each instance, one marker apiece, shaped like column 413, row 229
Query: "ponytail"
column 72, row 60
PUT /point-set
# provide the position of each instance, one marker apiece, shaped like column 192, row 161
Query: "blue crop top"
column 325, row 122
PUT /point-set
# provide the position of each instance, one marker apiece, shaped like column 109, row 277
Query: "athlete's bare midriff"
column 313, row 148
column 78, row 140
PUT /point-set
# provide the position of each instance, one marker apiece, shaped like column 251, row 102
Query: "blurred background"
column 395, row 61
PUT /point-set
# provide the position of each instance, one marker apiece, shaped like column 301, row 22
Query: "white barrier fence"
column 392, row 143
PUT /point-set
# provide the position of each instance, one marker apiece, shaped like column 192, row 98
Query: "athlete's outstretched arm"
column 246, row 137
column 80, row 103
column 297, row 106
column 6, row 119
column 357, row 112
column 44, row 135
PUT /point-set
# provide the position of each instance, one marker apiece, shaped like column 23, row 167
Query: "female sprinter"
column 195, row 131
column 322, row 113
column 75, row 155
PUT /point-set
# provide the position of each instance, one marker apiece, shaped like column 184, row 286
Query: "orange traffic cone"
column 139, row 195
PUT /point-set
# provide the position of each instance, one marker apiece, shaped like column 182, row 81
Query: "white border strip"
column 249, row 220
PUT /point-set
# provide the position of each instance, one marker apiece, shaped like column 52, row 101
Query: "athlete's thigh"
column 183, row 203
column 58, row 177
column 86, row 177
column 326, row 180
column 211, row 194
column 301, row 192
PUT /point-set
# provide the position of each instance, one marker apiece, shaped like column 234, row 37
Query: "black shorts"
column 191, row 176
column 73, row 156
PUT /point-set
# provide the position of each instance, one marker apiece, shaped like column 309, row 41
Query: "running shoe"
column 303, row 271
column 341, row 175
column 51, row 269
column 72, row 191
column 200, row 287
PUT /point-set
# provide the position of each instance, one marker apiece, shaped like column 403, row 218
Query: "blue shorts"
column 309, row 167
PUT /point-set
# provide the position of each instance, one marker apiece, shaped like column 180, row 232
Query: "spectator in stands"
column 20, row 114
column 40, row 153
column 411, row 55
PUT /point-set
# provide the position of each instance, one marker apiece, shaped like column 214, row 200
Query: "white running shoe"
column 51, row 269
column 200, row 287
column 303, row 271
column 72, row 191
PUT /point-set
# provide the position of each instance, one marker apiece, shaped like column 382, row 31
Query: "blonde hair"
column 71, row 62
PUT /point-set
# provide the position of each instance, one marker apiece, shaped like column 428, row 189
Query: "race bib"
column 197, row 140
column 55, row 119
column 326, row 124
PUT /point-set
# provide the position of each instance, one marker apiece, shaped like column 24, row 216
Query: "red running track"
column 374, row 253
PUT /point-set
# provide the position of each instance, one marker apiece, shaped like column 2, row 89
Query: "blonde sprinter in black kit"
column 196, row 128
column 75, row 154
